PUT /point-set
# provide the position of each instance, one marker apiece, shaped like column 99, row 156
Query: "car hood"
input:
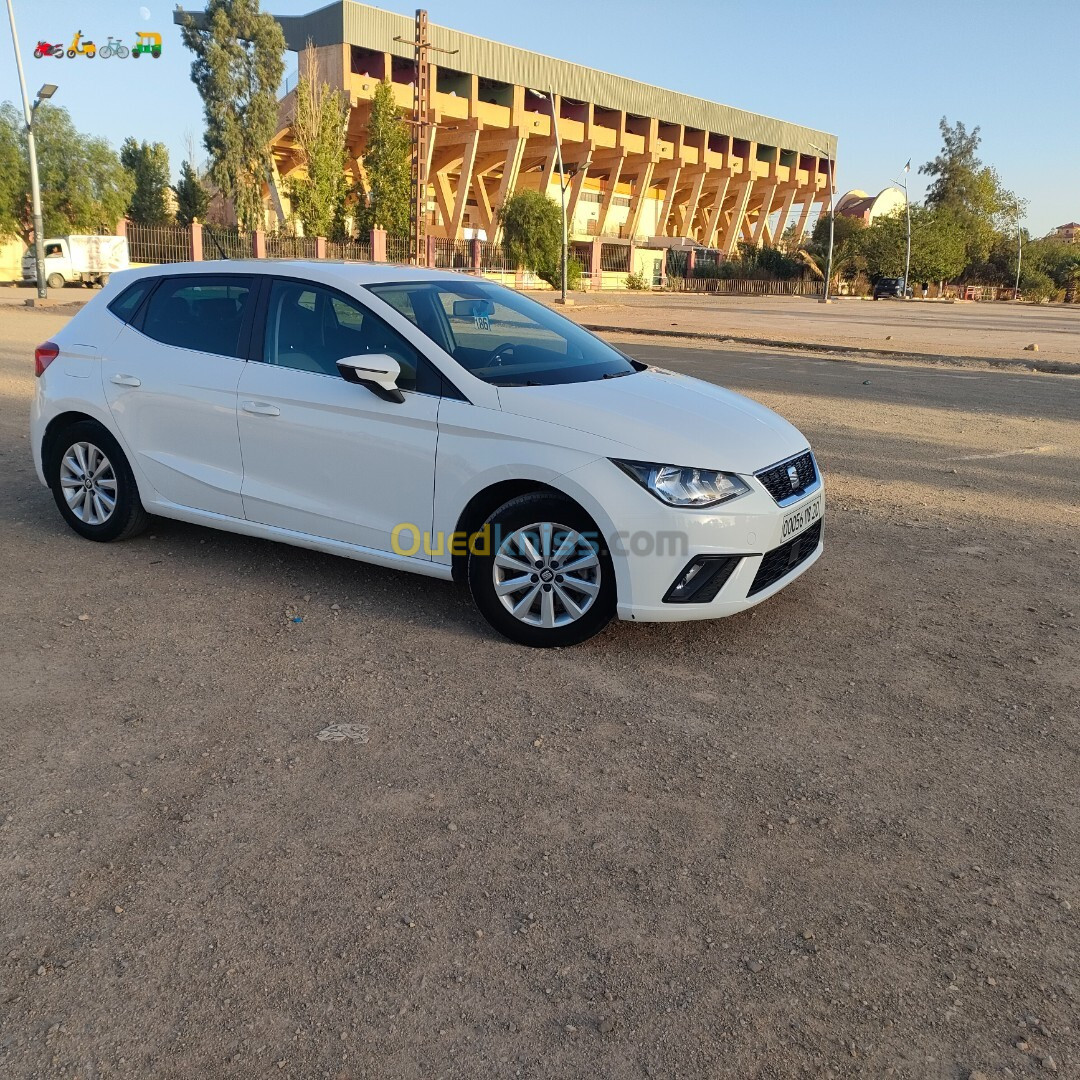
column 661, row 416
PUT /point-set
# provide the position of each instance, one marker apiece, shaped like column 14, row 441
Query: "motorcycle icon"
column 87, row 48
column 43, row 48
column 147, row 43
column 114, row 48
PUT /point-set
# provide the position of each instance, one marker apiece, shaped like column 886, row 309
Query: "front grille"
column 777, row 479
column 786, row 557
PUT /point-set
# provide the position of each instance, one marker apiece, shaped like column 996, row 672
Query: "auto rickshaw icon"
column 147, row 43
column 87, row 48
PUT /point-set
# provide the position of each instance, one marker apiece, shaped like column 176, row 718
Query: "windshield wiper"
column 503, row 382
column 617, row 374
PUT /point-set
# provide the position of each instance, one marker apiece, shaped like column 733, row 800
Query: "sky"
column 878, row 75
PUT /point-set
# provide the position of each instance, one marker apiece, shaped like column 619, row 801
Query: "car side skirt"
column 164, row 508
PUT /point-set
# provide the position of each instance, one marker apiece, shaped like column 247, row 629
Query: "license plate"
column 802, row 518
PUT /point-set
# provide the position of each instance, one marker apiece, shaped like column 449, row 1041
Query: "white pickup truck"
column 86, row 259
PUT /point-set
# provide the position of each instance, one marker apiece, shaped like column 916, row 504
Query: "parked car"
column 425, row 421
column 892, row 287
column 88, row 260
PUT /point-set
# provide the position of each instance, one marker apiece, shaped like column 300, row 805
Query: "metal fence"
column 493, row 258
column 747, row 286
column 158, row 243
column 398, row 249
column 453, row 254
column 349, row 250
column 284, row 246
column 226, row 242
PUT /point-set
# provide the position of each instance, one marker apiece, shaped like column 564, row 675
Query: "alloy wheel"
column 546, row 574
column 88, row 482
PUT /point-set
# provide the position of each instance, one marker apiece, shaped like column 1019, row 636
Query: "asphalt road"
column 835, row 836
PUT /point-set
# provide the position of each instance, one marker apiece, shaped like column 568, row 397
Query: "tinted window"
column 127, row 303
column 502, row 337
column 200, row 313
column 311, row 328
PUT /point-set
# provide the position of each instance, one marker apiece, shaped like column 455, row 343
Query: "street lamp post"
column 1019, row 253
column 44, row 94
column 562, row 182
column 832, row 216
column 907, row 211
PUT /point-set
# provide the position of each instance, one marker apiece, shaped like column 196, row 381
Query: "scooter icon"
column 87, row 48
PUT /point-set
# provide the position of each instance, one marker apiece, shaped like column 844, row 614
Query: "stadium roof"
column 374, row 28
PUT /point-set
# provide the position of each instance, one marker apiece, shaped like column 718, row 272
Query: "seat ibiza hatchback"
column 425, row 421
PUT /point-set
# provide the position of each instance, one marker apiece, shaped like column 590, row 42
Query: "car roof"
column 323, row 270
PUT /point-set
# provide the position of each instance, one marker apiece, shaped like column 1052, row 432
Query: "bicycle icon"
column 114, row 48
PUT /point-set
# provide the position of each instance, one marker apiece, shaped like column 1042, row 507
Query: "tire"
column 106, row 52
column 544, row 623
column 121, row 52
column 38, row 54
column 55, row 281
column 71, row 54
column 70, row 454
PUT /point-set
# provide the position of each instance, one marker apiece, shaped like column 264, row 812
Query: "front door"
column 170, row 379
column 323, row 456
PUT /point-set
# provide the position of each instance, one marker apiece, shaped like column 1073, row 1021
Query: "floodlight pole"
column 35, row 186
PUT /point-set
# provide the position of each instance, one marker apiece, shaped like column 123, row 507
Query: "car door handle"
column 261, row 408
column 125, row 380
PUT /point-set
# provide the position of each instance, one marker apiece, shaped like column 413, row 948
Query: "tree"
column 237, row 69
column 968, row 190
column 192, row 197
column 532, row 234
column 148, row 164
column 386, row 198
column 12, row 194
column 83, row 185
column 847, row 246
column 318, row 122
column 937, row 246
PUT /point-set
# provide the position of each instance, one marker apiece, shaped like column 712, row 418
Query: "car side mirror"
column 377, row 371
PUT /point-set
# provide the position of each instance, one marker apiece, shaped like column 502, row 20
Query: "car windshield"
column 502, row 337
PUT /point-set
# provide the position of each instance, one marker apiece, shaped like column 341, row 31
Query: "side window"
column 310, row 328
column 202, row 313
column 127, row 303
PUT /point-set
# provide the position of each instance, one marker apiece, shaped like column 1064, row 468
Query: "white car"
column 426, row 421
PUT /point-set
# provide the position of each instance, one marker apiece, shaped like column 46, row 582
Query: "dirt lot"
column 987, row 330
column 837, row 836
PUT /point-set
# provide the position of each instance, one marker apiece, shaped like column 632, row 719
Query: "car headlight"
column 677, row 485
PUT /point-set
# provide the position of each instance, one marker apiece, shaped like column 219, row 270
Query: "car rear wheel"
column 93, row 485
column 543, row 577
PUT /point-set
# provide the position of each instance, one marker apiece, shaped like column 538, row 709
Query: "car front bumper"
column 651, row 544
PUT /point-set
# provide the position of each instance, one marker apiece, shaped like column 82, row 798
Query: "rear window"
column 127, row 303
column 199, row 313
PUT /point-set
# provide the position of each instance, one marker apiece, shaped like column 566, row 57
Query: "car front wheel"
column 540, row 572
column 93, row 485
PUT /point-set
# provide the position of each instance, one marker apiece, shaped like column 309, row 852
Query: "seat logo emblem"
column 793, row 476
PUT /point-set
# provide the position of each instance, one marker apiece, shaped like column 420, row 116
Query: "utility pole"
column 421, row 133
column 35, row 186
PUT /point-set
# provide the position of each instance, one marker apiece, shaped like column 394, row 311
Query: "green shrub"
column 1037, row 287
column 637, row 282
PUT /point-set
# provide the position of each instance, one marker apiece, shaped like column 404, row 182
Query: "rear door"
column 323, row 456
column 170, row 379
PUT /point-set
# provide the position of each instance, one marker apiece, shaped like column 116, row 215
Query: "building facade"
column 642, row 163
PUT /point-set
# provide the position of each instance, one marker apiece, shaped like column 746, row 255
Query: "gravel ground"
column 836, row 836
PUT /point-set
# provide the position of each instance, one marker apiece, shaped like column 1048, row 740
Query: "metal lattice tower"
column 421, row 131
